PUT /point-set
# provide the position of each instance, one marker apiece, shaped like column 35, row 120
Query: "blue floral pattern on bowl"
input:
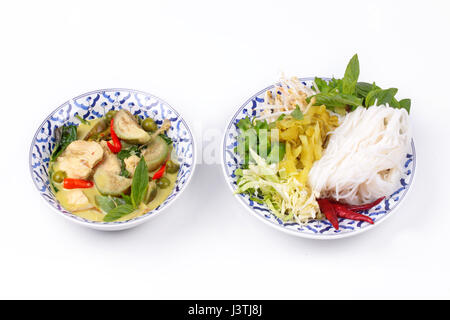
column 96, row 104
column 318, row 229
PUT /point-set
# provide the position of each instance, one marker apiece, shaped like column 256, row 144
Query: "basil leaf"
column 335, row 85
column 386, row 96
column 297, row 113
column 124, row 154
column 64, row 135
column 126, row 198
column 123, row 171
column 363, row 88
column 405, row 104
column 337, row 100
column 380, row 96
column 166, row 139
column 139, row 184
column 105, row 203
column 322, row 85
column 118, row 212
column 351, row 76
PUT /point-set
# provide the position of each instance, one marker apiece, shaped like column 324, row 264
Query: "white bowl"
column 93, row 105
column 315, row 229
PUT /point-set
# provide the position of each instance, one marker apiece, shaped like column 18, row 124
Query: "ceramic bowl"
column 315, row 229
column 93, row 105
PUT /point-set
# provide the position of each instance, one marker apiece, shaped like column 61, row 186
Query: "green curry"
column 114, row 168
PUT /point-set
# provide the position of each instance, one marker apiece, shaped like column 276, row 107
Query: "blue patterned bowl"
column 94, row 105
column 315, row 229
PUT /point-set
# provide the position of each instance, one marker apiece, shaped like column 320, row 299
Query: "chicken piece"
column 76, row 200
column 79, row 158
column 131, row 163
column 110, row 162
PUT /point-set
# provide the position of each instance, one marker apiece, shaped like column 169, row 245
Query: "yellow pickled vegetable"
column 304, row 140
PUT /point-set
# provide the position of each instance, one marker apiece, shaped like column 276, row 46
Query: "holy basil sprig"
column 347, row 93
column 64, row 136
column 118, row 212
column 124, row 154
column 117, row 207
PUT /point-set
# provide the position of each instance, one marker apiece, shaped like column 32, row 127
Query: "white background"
column 206, row 58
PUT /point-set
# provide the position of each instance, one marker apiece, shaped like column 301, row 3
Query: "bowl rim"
column 298, row 233
column 115, row 224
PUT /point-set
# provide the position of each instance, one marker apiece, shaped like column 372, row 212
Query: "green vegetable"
column 149, row 125
column 341, row 95
column 106, row 203
column 118, row 212
column 254, row 136
column 244, row 124
column 405, row 104
column 152, row 191
column 363, row 88
column 116, row 207
column 124, row 154
column 50, row 173
column 81, row 119
column 262, row 180
column 172, row 167
column 380, row 96
column 59, row 176
column 110, row 114
column 140, row 183
column 297, row 113
column 351, row 76
column 166, row 139
column 64, row 136
column 100, row 127
column 163, row 183
column 127, row 128
column 337, row 100
column 277, row 152
column 138, row 119
column 126, row 198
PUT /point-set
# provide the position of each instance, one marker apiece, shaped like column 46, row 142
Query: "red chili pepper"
column 158, row 174
column 364, row 206
column 116, row 146
column 329, row 211
column 77, row 183
column 344, row 212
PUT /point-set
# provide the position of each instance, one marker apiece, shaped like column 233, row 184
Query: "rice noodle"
column 364, row 156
